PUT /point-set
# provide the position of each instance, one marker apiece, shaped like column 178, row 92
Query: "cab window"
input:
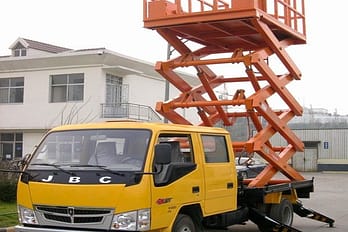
column 215, row 149
column 181, row 147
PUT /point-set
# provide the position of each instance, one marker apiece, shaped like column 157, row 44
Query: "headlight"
column 26, row 216
column 132, row 221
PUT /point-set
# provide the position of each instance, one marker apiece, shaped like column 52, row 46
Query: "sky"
column 117, row 25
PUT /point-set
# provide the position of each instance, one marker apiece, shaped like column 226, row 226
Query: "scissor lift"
column 208, row 33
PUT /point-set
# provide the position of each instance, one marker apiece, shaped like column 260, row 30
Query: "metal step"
column 300, row 210
column 267, row 224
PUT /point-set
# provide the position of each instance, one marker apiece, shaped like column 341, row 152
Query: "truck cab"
column 128, row 176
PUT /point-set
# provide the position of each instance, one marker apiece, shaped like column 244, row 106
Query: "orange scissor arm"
column 249, row 33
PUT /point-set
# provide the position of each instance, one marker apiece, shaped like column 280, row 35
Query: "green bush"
column 8, row 191
column 8, row 180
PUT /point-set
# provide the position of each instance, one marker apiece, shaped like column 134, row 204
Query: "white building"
column 325, row 138
column 324, row 149
column 43, row 85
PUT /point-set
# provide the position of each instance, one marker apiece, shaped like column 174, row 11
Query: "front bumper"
column 20, row 228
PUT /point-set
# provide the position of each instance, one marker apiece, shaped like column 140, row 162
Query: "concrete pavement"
column 9, row 229
column 330, row 198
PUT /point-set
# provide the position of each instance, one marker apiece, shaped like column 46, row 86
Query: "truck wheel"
column 282, row 212
column 183, row 223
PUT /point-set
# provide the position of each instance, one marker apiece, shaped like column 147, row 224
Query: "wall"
column 145, row 90
column 331, row 146
column 30, row 140
column 38, row 113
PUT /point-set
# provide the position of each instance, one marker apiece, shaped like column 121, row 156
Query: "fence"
column 129, row 111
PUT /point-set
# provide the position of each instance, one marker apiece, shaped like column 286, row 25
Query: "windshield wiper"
column 55, row 166
column 98, row 166
column 17, row 171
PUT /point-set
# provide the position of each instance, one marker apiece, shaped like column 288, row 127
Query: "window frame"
column 19, row 52
column 12, row 91
column 116, row 91
column 13, row 139
column 219, row 147
column 70, row 91
column 185, row 144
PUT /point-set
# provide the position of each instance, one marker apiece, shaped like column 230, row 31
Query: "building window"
column 11, row 90
column 20, row 52
column 11, row 145
column 67, row 87
column 116, row 91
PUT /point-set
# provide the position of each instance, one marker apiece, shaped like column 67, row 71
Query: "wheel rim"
column 287, row 216
column 282, row 212
column 185, row 229
column 183, row 223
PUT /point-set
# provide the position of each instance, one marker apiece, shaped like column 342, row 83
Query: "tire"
column 282, row 212
column 183, row 223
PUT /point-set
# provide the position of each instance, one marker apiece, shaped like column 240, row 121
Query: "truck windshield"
column 114, row 149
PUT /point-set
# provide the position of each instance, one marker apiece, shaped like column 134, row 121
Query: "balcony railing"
column 289, row 12
column 129, row 111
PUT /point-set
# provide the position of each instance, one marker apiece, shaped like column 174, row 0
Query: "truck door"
column 178, row 183
column 219, row 175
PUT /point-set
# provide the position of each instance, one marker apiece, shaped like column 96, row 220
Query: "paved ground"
column 330, row 198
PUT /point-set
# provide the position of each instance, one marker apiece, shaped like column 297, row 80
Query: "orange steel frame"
column 246, row 32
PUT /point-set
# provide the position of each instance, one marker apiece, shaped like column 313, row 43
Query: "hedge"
column 8, row 191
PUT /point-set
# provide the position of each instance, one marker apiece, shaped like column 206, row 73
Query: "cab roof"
column 141, row 125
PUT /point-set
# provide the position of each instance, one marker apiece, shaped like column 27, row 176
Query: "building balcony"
column 129, row 111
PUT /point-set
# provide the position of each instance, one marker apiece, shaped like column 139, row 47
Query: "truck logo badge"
column 71, row 211
column 161, row 201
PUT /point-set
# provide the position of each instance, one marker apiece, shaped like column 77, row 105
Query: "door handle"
column 195, row 189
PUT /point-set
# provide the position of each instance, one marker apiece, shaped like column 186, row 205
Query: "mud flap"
column 309, row 213
column 267, row 224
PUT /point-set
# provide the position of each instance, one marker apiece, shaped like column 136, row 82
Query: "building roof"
column 28, row 43
column 111, row 61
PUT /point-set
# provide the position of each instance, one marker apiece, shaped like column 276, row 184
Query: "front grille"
column 88, row 220
column 58, row 218
column 73, row 215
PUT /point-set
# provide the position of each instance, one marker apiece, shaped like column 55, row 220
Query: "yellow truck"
column 137, row 176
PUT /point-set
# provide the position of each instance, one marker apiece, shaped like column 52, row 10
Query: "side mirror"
column 162, row 153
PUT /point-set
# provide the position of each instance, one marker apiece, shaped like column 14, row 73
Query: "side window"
column 181, row 147
column 215, row 149
column 181, row 159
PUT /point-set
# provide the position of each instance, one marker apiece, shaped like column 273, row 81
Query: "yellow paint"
column 273, row 198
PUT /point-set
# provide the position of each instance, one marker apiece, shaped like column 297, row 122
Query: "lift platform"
column 251, row 33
